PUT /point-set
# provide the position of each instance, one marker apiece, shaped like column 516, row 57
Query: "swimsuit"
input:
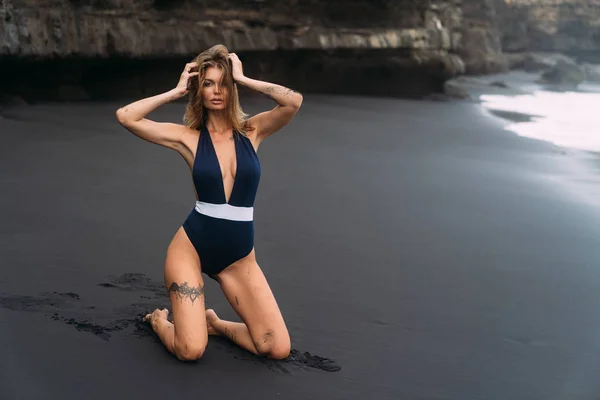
column 222, row 232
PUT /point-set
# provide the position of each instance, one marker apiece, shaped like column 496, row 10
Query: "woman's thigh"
column 249, row 293
column 183, row 280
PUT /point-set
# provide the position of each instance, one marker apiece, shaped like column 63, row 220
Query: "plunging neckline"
column 221, row 169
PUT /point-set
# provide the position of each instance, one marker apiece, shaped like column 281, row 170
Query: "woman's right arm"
column 132, row 116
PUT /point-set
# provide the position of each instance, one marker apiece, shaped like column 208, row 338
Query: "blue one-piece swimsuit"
column 223, row 232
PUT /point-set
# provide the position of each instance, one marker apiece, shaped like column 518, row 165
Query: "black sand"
column 423, row 249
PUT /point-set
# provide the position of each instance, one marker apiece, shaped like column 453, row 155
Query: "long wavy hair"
column 195, row 113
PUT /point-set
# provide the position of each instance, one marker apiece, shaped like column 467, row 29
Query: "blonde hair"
column 195, row 113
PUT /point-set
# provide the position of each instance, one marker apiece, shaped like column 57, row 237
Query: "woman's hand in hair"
column 189, row 71
column 236, row 67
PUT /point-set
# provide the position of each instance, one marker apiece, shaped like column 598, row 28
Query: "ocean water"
column 569, row 119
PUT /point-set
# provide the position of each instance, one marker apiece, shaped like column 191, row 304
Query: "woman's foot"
column 156, row 315
column 211, row 316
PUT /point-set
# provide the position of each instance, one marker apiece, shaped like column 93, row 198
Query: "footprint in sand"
column 135, row 282
column 70, row 309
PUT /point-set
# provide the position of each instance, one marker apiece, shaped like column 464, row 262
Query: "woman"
column 219, row 144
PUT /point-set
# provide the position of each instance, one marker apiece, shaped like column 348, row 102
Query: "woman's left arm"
column 288, row 101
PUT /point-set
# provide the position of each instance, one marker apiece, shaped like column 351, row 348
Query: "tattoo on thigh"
column 184, row 290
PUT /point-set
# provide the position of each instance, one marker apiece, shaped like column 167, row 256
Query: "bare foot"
column 211, row 316
column 156, row 315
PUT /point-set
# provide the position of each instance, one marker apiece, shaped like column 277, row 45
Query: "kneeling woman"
column 219, row 143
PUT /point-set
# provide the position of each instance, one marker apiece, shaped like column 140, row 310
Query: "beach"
column 421, row 247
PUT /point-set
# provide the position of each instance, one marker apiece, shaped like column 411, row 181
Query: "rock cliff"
column 567, row 26
column 497, row 33
column 100, row 48
column 480, row 46
column 79, row 49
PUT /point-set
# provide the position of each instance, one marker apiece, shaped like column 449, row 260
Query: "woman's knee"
column 273, row 345
column 280, row 351
column 186, row 350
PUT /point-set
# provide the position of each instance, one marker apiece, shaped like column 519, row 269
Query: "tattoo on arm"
column 184, row 290
column 271, row 90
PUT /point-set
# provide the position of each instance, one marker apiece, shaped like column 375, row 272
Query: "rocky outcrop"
column 496, row 32
column 566, row 26
column 480, row 46
column 80, row 49
column 61, row 28
column 592, row 72
column 497, row 35
column 87, row 47
column 564, row 73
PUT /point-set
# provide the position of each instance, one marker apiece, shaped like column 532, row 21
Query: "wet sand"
column 422, row 248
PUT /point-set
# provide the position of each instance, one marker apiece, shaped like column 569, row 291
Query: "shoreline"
column 516, row 84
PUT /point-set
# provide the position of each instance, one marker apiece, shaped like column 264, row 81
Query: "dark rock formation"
column 91, row 49
column 480, row 46
column 564, row 73
column 592, row 72
column 77, row 49
column 545, row 36
column 567, row 26
column 142, row 28
column 507, row 34
column 536, row 62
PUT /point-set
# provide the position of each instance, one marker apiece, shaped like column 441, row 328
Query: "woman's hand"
column 183, row 85
column 236, row 67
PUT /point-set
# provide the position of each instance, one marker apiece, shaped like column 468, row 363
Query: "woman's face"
column 214, row 94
